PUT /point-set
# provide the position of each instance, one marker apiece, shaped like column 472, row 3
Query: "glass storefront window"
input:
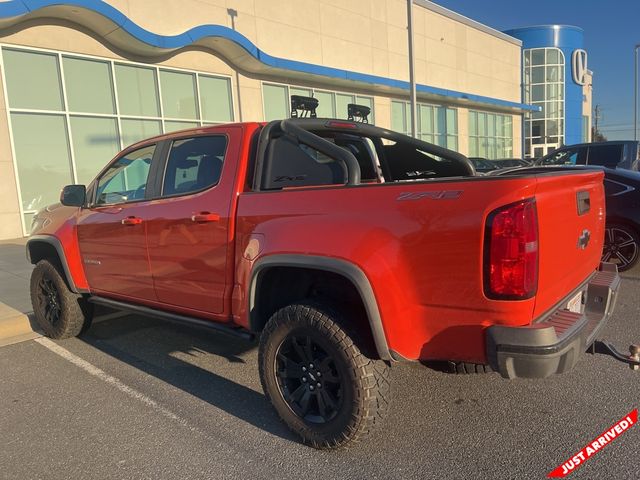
column 88, row 86
column 137, row 91
column 33, row 80
column 537, row 75
column 553, row 56
column 178, row 95
column 537, row 56
column 134, row 130
column 277, row 103
column 436, row 124
column 86, row 109
column 367, row 102
column 490, row 135
column 215, row 98
column 44, row 161
column 398, row 119
column 544, row 80
column 175, row 126
column 95, row 142
column 303, row 92
column 537, row 93
column 326, row 108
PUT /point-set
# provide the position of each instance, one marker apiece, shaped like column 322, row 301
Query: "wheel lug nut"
column 304, row 369
column 304, row 379
column 319, row 385
column 311, row 387
column 311, row 365
column 319, row 374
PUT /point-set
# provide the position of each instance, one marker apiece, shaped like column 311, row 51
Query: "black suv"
column 615, row 154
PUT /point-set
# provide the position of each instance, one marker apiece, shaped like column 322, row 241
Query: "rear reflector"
column 511, row 252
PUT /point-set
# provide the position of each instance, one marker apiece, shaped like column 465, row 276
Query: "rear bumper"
column 554, row 344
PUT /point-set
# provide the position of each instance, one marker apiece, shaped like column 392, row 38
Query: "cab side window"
column 126, row 178
column 569, row 156
column 605, row 155
column 194, row 164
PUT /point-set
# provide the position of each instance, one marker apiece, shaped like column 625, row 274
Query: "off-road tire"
column 365, row 381
column 75, row 313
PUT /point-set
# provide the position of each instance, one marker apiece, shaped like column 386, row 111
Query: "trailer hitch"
column 605, row 348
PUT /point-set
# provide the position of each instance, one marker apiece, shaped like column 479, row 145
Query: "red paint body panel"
column 423, row 256
column 563, row 266
column 115, row 255
column 60, row 222
column 189, row 259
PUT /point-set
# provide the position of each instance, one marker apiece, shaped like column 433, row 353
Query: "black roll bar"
column 324, row 146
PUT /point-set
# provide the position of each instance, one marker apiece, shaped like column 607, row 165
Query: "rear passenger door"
column 188, row 225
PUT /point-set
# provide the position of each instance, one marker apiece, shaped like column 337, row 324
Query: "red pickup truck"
column 345, row 246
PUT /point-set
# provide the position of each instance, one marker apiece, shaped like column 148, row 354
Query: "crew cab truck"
column 345, row 246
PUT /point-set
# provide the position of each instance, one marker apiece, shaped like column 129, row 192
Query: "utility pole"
column 233, row 14
column 635, row 92
column 412, row 77
column 596, row 117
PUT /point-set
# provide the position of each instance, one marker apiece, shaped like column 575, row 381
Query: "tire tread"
column 372, row 375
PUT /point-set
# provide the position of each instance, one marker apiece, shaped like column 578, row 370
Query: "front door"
column 112, row 232
column 188, row 227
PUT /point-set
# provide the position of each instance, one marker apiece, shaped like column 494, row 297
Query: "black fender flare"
column 342, row 267
column 55, row 243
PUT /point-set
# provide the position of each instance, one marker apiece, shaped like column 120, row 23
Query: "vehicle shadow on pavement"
column 15, row 272
column 184, row 357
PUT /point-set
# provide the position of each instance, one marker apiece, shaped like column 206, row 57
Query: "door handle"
column 204, row 217
column 131, row 221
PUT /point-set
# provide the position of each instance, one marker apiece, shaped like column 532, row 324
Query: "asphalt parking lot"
column 139, row 398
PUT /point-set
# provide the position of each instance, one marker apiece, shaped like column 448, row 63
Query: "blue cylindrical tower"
column 549, row 81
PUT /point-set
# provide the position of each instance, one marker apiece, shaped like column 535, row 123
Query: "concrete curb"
column 15, row 326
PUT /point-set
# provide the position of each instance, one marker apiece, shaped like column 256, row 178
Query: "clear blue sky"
column 611, row 30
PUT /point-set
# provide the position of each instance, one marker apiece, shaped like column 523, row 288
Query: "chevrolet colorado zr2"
column 345, row 247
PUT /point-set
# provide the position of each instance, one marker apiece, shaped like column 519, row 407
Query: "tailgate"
column 571, row 216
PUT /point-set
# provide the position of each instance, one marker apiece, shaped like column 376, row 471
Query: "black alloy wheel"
column 308, row 379
column 49, row 301
column 320, row 382
column 60, row 312
column 621, row 246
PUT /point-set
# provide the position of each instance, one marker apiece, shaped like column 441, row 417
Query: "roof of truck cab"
column 190, row 131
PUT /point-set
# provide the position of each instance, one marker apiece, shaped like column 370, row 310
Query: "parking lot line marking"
column 105, row 377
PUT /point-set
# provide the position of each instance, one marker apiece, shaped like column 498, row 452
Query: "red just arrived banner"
column 603, row 440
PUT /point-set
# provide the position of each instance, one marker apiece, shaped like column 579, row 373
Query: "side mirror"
column 73, row 195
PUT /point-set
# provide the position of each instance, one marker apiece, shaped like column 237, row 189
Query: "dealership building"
column 82, row 79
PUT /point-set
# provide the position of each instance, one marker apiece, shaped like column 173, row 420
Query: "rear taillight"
column 511, row 252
